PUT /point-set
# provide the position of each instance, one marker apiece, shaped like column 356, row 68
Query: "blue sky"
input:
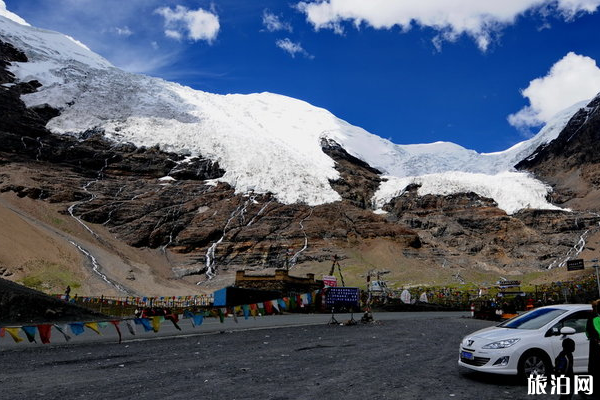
column 410, row 71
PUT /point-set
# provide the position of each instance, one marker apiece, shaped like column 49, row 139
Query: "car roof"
column 570, row 307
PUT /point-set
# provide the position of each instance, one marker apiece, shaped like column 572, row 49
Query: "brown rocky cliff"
column 571, row 163
column 469, row 230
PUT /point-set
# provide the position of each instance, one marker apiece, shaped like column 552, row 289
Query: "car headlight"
column 502, row 344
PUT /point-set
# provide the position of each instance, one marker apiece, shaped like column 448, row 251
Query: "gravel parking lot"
column 401, row 356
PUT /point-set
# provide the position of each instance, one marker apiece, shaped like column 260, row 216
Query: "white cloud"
column 10, row 15
column 480, row 19
column 194, row 24
column 173, row 34
column 292, row 48
column 572, row 79
column 272, row 22
column 124, row 31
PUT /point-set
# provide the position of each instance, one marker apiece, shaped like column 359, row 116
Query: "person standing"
column 592, row 331
column 563, row 365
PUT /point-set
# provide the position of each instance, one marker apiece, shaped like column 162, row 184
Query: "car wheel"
column 534, row 362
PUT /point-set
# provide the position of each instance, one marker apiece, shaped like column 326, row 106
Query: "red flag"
column 268, row 307
column 44, row 331
column 116, row 324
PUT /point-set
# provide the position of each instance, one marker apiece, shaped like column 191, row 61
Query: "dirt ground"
column 405, row 358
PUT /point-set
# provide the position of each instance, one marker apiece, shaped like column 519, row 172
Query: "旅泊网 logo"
column 561, row 384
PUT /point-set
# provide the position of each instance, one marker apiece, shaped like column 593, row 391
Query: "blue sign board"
column 342, row 297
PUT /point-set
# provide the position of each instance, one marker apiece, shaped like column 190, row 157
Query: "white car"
column 529, row 343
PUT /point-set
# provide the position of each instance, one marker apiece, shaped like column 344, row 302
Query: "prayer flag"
column 222, row 312
column 236, row 310
column 76, row 328
column 156, row 320
column 282, row 304
column 189, row 315
column 145, row 322
column 268, row 307
column 246, row 309
column 198, row 319
column 45, row 331
column 63, row 329
column 261, row 308
column 253, row 310
column 2, row 332
column 173, row 318
column 116, row 324
column 275, row 304
column 130, row 326
column 93, row 326
column 102, row 324
column 14, row 333
column 29, row 332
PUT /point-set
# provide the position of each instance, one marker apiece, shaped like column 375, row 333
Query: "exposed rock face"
column 15, row 116
column 571, row 162
column 468, row 229
column 119, row 188
column 359, row 181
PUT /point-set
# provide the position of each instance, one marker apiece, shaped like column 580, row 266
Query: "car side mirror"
column 552, row 332
column 567, row 330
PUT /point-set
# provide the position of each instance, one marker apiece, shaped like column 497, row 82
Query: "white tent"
column 405, row 296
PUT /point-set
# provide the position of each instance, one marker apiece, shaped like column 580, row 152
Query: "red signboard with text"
column 330, row 281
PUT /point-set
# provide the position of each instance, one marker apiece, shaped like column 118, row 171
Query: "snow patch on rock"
column 512, row 191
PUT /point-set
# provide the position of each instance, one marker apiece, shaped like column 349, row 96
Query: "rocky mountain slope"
column 570, row 163
column 148, row 203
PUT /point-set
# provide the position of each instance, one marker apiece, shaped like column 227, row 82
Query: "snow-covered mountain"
column 265, row 142
column 128, row 217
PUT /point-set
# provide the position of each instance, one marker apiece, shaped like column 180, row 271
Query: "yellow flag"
column 14, row 332
column 93, row 326
column 156, row 320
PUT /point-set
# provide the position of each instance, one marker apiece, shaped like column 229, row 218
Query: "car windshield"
column 534, row 319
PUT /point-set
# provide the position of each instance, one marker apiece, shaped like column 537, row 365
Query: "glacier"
column 266, row 143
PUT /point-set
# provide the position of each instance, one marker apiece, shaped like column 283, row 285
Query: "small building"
column 235, row 296
column 280, row 282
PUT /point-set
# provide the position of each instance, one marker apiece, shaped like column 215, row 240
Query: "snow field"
column 265, row 142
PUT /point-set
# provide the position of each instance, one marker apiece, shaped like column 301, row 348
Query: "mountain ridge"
column 91, row 94
column 153, row 216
